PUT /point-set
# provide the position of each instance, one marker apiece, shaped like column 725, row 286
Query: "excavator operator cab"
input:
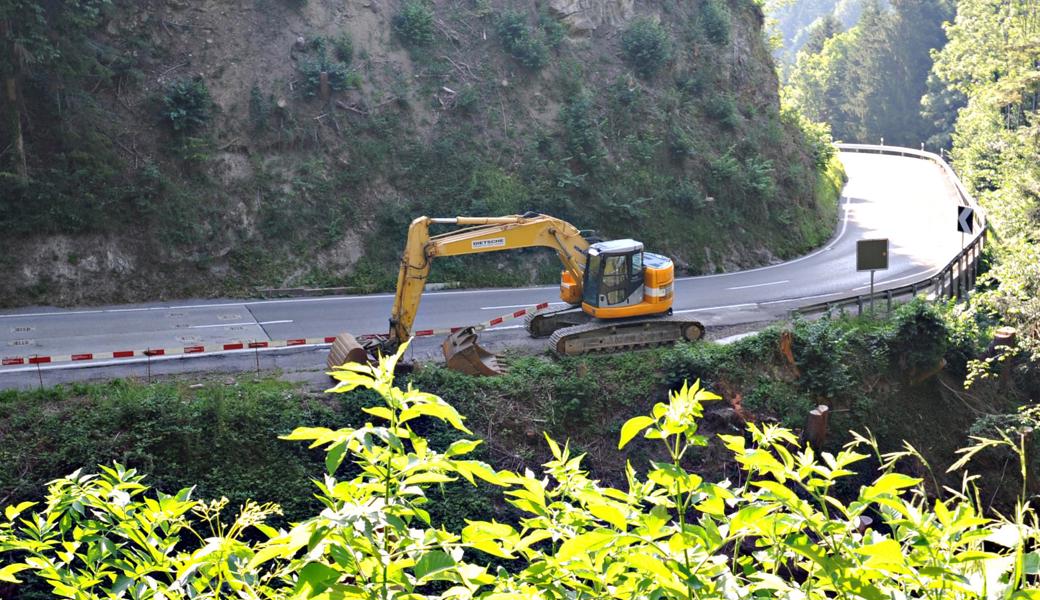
column 613, row 274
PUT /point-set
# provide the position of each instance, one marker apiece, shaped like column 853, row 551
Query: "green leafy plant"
column 343, row 45
column 778, row 529
column 187, row 105
column 715, row 21
column 555, row 32
column 414, row 24
column 582, row 129
column 647, row 46
column 339, row 75
column 521, row 41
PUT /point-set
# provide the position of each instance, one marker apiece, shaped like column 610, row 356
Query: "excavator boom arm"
column 478, row 234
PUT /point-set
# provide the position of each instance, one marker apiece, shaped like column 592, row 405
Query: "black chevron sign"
column 965, row 219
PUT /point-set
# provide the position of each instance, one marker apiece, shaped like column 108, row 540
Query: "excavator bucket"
column 462, row 353
column 346, row 349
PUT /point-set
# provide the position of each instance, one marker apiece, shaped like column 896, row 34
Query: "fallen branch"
column 448, row 32
column 387, row 101
column 351, row 108
column 173, row 68
column 466, row 72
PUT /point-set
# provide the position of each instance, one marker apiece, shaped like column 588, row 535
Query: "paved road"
column 906, row 200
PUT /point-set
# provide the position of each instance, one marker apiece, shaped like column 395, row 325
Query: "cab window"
column 615, row 279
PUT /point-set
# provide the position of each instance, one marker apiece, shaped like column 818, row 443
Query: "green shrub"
column 722, row 109
column 780, row 399
column 821, row 350
column 259, row 108
column 680, row 143
column 647, row 46
column 715, row 21
column 759, row 178
column 341, row 77
column 919, row 336
column 343, row 45
column 414, row 24
column 520, row 40
column 722, row 172
column 581, row 129
column 554, row 30
column 187, row 105
column 817, row 136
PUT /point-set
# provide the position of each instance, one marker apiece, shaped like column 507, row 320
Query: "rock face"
column 582, row 17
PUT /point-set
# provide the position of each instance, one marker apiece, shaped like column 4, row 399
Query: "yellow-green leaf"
column 610, row 514
column 7, row 574
column 584, row 543
column 632, row 427
column 13, row 511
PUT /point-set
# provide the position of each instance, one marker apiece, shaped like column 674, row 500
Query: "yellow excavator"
column 619, row 296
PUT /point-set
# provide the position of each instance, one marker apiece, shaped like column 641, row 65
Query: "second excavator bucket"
column 462, row 353
column 346, row 349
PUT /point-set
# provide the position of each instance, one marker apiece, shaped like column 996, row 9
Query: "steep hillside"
column 203, row 147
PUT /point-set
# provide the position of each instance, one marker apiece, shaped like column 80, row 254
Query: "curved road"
column 907, row 200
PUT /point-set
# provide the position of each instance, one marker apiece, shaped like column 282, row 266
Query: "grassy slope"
column 281, row 188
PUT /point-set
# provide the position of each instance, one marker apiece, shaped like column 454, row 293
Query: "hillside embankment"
column 171, row 149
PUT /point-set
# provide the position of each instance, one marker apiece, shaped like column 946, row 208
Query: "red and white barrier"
column 486, row 324
column 150, row 352
column 239, row 345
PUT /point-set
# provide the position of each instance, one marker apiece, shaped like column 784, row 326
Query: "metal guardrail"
column 952, row 281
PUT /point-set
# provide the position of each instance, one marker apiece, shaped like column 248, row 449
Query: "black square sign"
column 871, row 255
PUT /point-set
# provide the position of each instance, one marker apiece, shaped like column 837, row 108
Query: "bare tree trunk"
column 11, row 86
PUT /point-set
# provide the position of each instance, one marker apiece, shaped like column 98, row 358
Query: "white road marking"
column 804, row 298
column 701, row 309
column 133, row 361
column 516, row 306
column 246, row 303
column 755, row 304
column 757, row 285
column 877, row 283
column 237, row 324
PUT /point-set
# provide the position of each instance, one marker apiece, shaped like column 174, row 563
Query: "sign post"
column 872, row 255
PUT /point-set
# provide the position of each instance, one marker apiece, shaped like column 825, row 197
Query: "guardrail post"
column 960, row 276
column 859, row 304
column 888, row 300
column 976, row 253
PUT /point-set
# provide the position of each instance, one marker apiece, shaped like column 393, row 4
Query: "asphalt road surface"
column 907, row 200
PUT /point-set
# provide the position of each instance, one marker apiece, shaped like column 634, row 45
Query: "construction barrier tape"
column 243, row 345
column 197, row 349
column 486, row 324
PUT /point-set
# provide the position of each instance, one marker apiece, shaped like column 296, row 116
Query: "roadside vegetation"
column 790, row 519
column 902, row 377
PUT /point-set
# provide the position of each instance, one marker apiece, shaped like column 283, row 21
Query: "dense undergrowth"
column 791, row 520
column 900, row 377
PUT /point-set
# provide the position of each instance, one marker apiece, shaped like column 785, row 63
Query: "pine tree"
column 820, row 31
